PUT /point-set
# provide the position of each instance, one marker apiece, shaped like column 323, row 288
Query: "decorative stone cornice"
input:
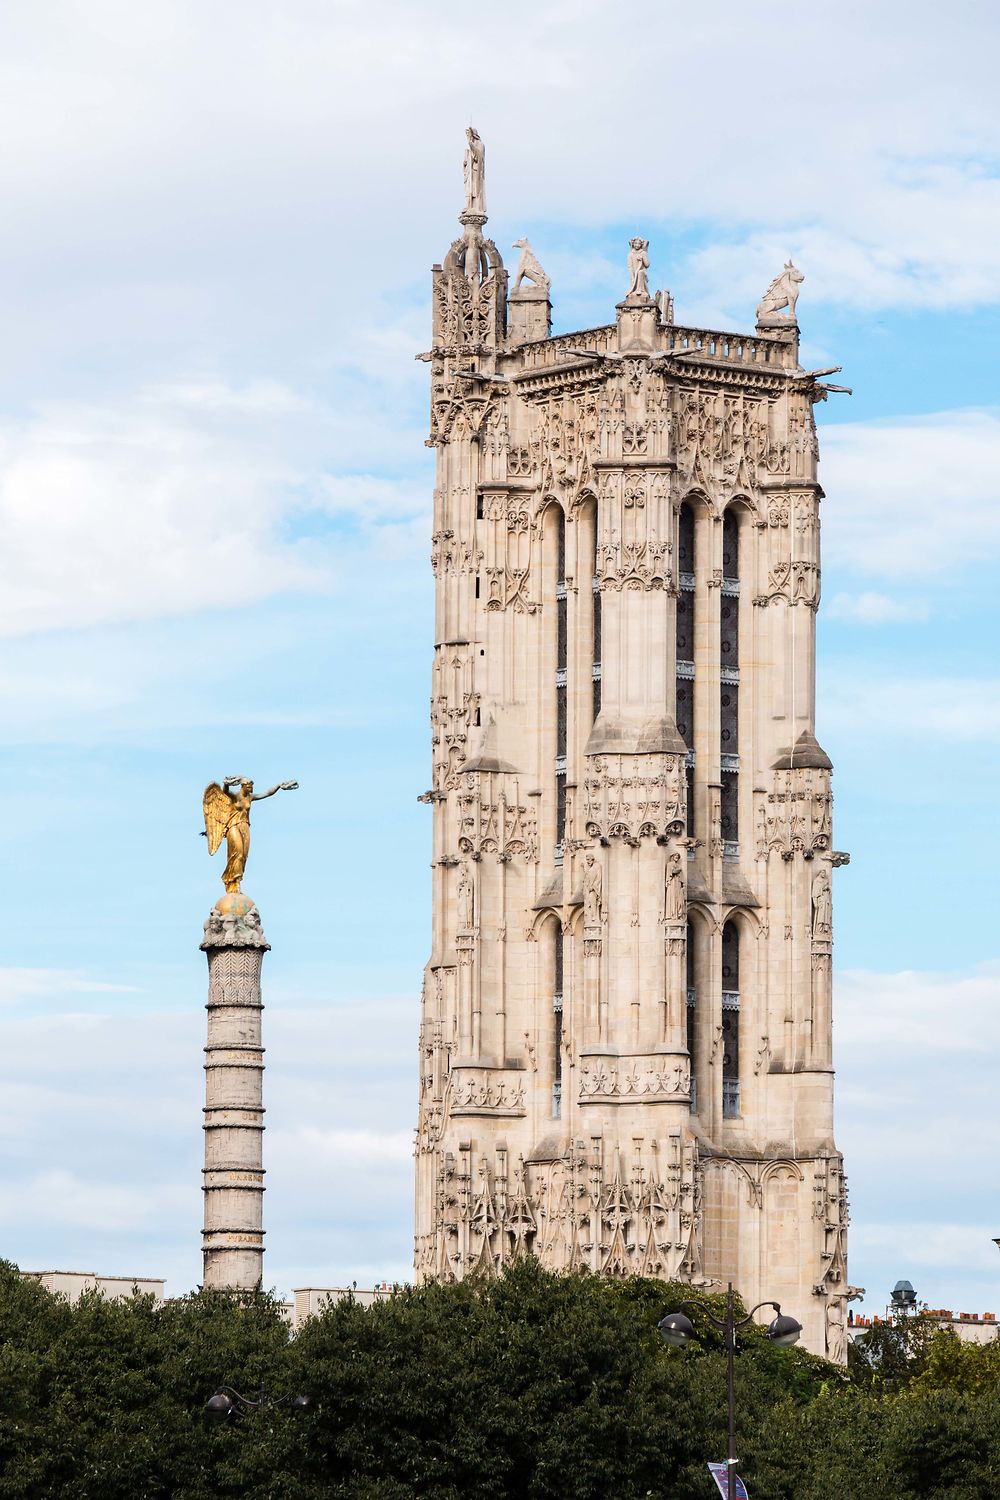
column 640, row 1078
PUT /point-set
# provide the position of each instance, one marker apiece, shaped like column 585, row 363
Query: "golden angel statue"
column 227, row 816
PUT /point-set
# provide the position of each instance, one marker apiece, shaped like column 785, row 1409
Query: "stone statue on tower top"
column 474, row 170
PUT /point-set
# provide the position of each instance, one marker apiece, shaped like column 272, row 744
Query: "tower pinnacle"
column 474, row 172
column 473, row 215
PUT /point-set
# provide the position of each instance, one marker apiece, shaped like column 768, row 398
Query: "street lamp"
column 676, row 1329
column 226, row 1405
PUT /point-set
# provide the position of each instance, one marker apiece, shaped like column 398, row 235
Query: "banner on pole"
column 720, row 1473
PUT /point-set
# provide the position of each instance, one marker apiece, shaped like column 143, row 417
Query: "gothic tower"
column 626, row 1025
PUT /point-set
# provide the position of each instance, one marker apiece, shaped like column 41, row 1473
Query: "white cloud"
column 906, row 1009
column 307, row 137
column 917, row 1122
column 926, row 1242
column 872, row 608
column 58, row 1200
column 29, row 985
column 340, row 161
column 914, row 497
column 884, row 263
column 183, row 499
column 870, row 703
column 371, row 498
column 360, row 1148
column 136, row 511
column 103, row 1114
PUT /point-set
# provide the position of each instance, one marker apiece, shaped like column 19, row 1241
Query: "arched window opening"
column 729, row 685
column 557, row 1026
column 562, row 626
column 730, row 1021
column 730, row 547
column 692, row 1009
column 685, row 546
column 685, row 603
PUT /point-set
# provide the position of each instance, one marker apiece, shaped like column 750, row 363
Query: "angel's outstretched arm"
column 283, row 786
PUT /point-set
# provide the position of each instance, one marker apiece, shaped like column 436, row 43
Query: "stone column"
column 233, row 1236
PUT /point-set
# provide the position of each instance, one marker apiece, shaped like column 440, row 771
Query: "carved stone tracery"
column 795, row 816
column 729, row 438
column 510, row 542
column 453, row 707
column 493, row 819
column 649, row 1078
column 577, row 1211
column 795, row 580
column 562, row 446
column 487, row 1091
column 622, row 802
column 634, row 549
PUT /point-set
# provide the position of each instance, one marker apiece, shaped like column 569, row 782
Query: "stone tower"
column 626, row 1022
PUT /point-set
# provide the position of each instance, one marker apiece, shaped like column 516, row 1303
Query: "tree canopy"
column 534, row 1385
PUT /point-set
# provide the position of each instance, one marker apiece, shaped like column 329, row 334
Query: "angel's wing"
column 218, row 807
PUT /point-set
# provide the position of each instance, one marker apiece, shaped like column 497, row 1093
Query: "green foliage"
column 891, row 1355
column 529, row 1387
column 951, row 1364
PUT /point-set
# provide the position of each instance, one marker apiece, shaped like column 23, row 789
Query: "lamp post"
column 676, row 1329
column 226, row 1405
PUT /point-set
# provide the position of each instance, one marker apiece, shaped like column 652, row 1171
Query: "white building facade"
column 626, row 1022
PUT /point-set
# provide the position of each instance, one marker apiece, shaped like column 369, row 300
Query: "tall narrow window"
column 692, row 1014
column 557, row 1028
column 561, row 707
column 729, row 686
column 596, row 673
column 730, row 1021
column 684, row 712
column 730, row 547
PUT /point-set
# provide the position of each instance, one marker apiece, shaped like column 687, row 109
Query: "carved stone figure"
column 716, row 847
column 638, row 270
column 529, row 266
column 674, row 900
column 783, row 292
column 474, row 171
column 466, row 899
column 665, row 307
column 593, row 891
column 227, row 816
column 836, row 1333
column 822, row 903
column 238, row 927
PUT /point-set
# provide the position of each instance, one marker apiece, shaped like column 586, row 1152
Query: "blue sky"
column 217, row 229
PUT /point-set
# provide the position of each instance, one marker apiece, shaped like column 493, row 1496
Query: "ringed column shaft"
column 233, row 1234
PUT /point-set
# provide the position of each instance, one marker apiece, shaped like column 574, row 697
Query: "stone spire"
column 470, row 308
column 233, row 1236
